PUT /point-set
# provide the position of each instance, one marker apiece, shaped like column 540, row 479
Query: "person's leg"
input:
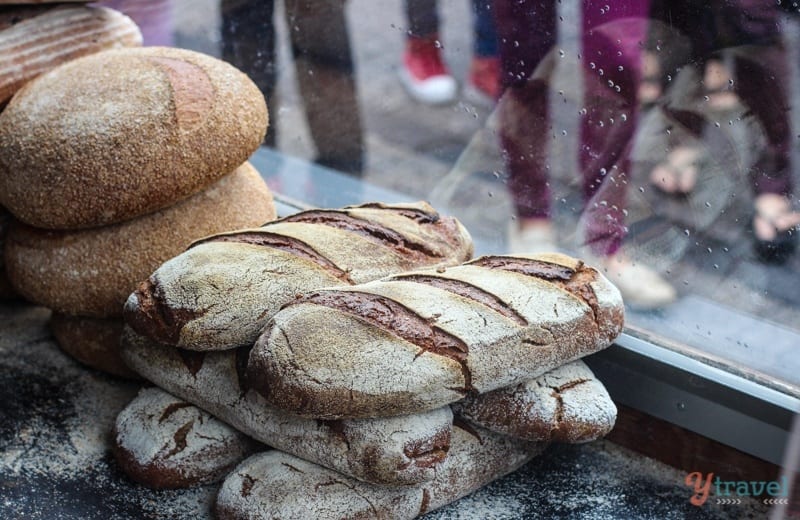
column 326, row 78
column 248, row 43
column 423, row 18
column 484, row 72
column 423, row 72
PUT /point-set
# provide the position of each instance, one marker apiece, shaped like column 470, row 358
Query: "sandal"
column 677, row 174
column 774, row 241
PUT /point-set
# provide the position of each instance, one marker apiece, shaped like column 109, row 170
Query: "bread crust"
column 567, row 404
column 278, row 485
column 220, row 292
column 122, row 133
column 166, row 443
column 92, row 272
column 94, row 342
column 36, row 39
column 393, row 451
column 421, row 340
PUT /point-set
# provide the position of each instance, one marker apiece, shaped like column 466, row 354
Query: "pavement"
column 730, row 306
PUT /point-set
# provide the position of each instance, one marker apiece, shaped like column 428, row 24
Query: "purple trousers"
column 612, row 37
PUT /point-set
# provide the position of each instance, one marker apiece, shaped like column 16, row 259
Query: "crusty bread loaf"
column 397, row 450
column 277, row 485
column 166, row 443
column 418, row 341
column 91, row 272
column 35, row 39
column 221, row 292
column 121, row 133
column 567, row 404
column 95, row 342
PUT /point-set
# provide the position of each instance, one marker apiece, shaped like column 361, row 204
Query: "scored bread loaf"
column 35, row 39
column 277, row 485
column 418, row 341
column 122, row 133
column 91, row 272
column 566, row 404
column 397, row 450
column 95, row 342
column 220, row 292
column 166, row 443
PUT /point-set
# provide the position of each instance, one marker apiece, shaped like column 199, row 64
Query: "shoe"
column 641, row 287
column 424, row 74
column 774, row 241
column 484, row 78
column 531, row 240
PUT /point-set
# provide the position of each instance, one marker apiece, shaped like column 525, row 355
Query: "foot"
column 677, row 174
column 531, row 236
column 424, row 74
column 775, row 227
column 484, row 77
column 641, row 287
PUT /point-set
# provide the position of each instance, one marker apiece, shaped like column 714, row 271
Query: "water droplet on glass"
column 437, row 44
column 687, row 232
column 561, row 52
column 624, row 117
column 583, row 112
column 600, row 72
column 603, row 171
column 641, row 189
column 592, row 65
column 709, row 250
column 708, row 204
column 563, row 132
column 717, row 124
column 620, row 68
column 716, row 266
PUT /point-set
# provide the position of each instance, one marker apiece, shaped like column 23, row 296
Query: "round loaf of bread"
column 94, row 342
column 122, row 133
column 92, row 272
column 35, row 39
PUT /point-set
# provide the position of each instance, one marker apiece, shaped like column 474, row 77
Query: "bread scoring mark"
column 292, row 468
column 458, row 422
column 337, row 428
column 171, row 409
column 427, row 452
column 399, row 320
column 576, row 281
column 466, row 290
column 192, row 90
column 247, row 485
column 193, row 360
column 415, row 214
column 180, row 440
column 426, row 500
column 558, row 416
column 418, row 251
column 284, row 243
column 151, row 316
column 10, row 17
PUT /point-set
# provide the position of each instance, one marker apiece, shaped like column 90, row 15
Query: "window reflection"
column 653, row 138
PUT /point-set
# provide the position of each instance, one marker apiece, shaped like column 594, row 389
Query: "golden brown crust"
column 93, row 342
column 36, row 39
column 92, row 272
column 112, row 136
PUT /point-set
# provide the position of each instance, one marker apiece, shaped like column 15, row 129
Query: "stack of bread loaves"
column 386, row 397
column 113, row 163
column 37, row 38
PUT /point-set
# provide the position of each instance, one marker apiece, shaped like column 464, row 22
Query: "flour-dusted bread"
column 396, row 450
column 121, row 133
column 221, row 291
column 277, row 485
column 566, row 404
column 92, row 272
column 35, row 39
column 418, row 341
column 166, row 443
column 95, row 342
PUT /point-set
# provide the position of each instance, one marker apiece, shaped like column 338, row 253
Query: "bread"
column 166, row 443
column 277, row 485
column 418, row 341
column 34, row 40
column 122, row 133
column 221, row 291
column 95, row 342
column 6, row 291
column 567, row 404
column 397, row 450
column 91, row 272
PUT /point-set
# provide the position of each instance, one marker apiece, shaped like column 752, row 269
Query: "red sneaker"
column 424, row 74
column 484, row 77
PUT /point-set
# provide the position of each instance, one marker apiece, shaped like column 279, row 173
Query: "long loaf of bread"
column 220, row 292
column 418, row 341
column 567, row 404
column 166, row 443
column 397, row 450
column 277, row 485
column 34, row 40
